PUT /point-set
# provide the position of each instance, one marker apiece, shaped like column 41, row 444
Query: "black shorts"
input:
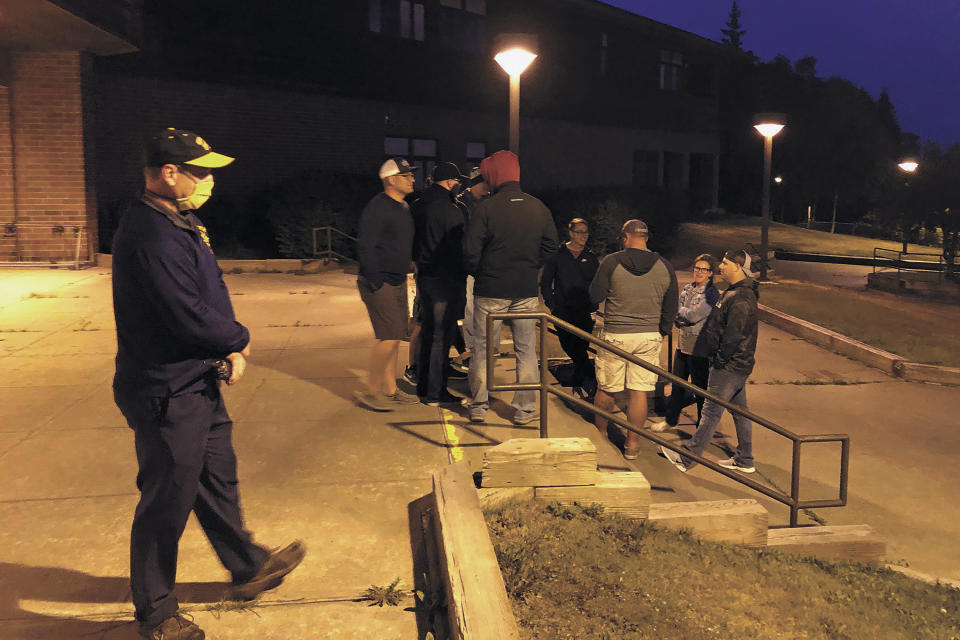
column 387, row 308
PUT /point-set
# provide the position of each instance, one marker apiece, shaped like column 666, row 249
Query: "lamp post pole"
column 765, row 208
column 515, row 113
column 908, row 166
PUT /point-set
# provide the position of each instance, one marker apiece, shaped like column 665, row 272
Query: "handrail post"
column 543, row 377
column 795, row 484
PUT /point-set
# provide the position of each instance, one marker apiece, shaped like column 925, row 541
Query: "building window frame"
column 672, row 64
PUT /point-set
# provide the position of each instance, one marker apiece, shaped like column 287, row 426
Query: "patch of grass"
column 733, row 232
column 919, row 331
column 574, row 574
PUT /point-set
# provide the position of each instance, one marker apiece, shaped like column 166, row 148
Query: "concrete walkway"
column 315, row 466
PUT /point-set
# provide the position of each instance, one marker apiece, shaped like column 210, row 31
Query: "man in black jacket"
column 564, row 286
column 729, row 340
column 508, row 238
column 441, row 280
column 174, row 318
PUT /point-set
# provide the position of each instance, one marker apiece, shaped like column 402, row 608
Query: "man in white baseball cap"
column 385, row 248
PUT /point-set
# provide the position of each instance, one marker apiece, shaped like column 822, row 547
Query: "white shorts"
column 614, row 374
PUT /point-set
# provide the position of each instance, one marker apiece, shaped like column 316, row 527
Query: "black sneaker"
column 463, row 366
column 731, row 463
column 271, row 574
column 175, row 627
column 445, row 398
column 410, row 375
column 455, row 374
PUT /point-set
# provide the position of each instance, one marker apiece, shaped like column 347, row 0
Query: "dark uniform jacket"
column 508, row 238
column 172, row 308
column 729, row 339
column 565, row 281
column 439, row 239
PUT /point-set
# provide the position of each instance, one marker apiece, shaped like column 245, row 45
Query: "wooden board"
column 841, row 542
column 735, row 521
column 540, row 462
column 477, row 605
column 626, row 493
column 496, row 496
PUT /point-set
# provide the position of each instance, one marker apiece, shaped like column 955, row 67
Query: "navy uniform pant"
column 186, row 463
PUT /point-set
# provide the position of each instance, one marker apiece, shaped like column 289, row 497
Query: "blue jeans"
column 524, row 344
column 730, row 386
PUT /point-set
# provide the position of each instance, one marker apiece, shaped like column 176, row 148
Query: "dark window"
column 462, row 24
column 672, row 171
column 671, row 70
column 397, row 18
column 646, row 168
column 476, row 150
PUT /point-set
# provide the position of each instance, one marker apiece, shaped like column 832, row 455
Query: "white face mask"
column 201, row 193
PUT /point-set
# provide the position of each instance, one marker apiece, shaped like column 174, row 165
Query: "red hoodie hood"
column 503, row 166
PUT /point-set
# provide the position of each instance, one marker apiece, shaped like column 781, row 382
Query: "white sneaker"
column 730, row 463
column 675, row 459
column 660, row 427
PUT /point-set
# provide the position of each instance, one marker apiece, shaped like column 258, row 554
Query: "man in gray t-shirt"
column 639, row 292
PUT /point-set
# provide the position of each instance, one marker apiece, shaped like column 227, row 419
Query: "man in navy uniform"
column 174, row 319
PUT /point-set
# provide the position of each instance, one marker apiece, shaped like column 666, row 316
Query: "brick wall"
column 42, row 146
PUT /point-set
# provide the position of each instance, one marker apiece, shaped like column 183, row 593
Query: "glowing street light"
column 768, row 125
column 516, row 52
column 908, row 166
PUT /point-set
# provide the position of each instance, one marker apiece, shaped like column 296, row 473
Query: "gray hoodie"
column 640, row 290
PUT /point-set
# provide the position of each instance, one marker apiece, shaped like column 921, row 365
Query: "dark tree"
column 733, row 34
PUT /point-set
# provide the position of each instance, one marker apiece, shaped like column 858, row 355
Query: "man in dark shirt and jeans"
column 564, row 286
column 729, row 339
column 385, row 247
column 174, row 318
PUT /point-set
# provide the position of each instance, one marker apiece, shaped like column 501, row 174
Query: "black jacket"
column 385, row 241
column 508, row 238
column 565, row 280
column 172, row 308
column 438, row 247
column 729, row 339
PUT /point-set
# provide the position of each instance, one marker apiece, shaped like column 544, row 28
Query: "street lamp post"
column 768, row 125
column 515, row 53
column 908, row 166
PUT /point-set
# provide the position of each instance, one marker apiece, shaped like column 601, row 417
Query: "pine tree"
column 733, row 34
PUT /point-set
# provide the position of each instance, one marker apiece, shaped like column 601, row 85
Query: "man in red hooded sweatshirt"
column 508, row 238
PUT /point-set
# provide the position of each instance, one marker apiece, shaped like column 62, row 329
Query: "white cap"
column 395, row 166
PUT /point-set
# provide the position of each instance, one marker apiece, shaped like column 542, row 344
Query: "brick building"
column 613, row 99
column 47, row 176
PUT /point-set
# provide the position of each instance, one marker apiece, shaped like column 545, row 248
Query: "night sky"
column 909, row 47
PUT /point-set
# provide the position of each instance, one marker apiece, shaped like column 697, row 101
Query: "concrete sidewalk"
column 315, row 466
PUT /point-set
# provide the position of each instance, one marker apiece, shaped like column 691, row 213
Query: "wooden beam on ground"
column 840, row 542
column 496, row 496
column 626, row 493
column 477, row 604
column 540, row 462
column 742, row 522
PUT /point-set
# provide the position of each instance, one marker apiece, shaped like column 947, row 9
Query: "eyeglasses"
column 702, row 269
column 579, row 233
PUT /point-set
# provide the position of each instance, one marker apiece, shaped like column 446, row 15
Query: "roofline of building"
column 599, row 5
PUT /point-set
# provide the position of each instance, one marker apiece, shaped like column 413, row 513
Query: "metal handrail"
column 904, row 265
column 329, row 253
column 791, row 500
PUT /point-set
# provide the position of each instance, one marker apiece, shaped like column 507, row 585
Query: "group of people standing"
column 493, row 233
column 503, row 241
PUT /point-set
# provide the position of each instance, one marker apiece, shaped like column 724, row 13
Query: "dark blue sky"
column 909, row 47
